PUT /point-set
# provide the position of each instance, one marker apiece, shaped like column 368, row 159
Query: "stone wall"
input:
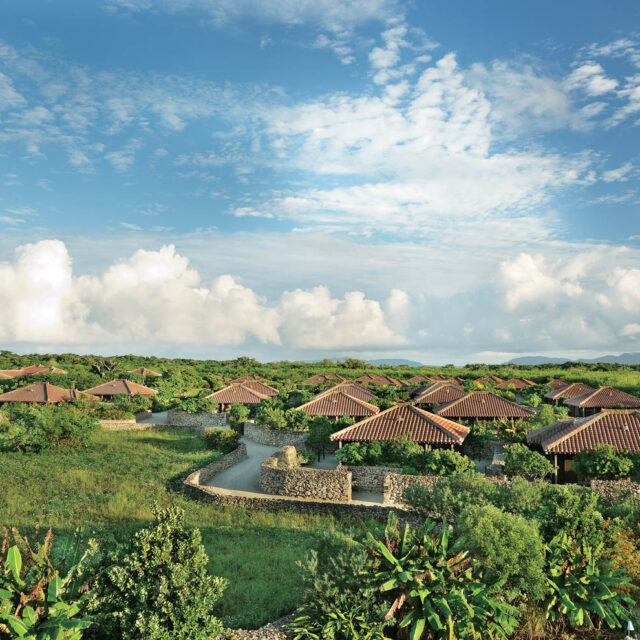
column 616, row 489
column 202, row 476
column 126, row 425
column 396, row 483
column 198, row 422
column 369, row 478
column 278, row 477
column 271, row 438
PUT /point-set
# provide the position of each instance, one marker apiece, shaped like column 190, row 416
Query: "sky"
column 300, row 179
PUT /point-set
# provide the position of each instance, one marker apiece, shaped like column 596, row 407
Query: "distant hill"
column 392, row 362
column 623, row 358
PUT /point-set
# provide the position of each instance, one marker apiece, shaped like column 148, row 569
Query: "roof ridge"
column 581, row 426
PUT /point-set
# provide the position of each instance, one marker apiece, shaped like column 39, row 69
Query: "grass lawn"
column 111, row 486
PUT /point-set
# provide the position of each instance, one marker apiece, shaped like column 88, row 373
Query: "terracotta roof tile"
column 486, row 379
column 570, row 391
column 261, row 387
column 146, row 372
column 120, row 387
column 237, row 393
column 31, row 370
column 242, row 379
column 556, row 383
column 41, row 392
column 518, row 383
column 604, row 398
column 321, row 379
column 404, row 420
column 338, row 404
column 483, row 404
column 438, row 393
column 380, row 381
column 621, row 429
column 418, row 379
column 352, row 389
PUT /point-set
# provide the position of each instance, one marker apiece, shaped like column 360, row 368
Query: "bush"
column 449, row 496
column 339, row 601
column 238, row 415
column 30, row 428
column 443, row 462
column 519, row 460
column 133, row 404
column 434, row 586
column 157, row 587
column 271, row 417
column 296, row 420
column 602, row 463
column 508, row 546
column 197, row 405
column 582, row 588
column 223, row 440
column 36, row 601
column 306, row 456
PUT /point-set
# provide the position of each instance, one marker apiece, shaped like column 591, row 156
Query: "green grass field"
column 111, row 487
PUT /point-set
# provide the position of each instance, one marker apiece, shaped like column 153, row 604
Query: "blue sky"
column 300, row 179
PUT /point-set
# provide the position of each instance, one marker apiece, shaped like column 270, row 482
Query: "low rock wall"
column 613, row 489
column 202, row 476
column 396, row 483
column 125, row 425
column 369, row 478
column 271, row 438
column 199, row 422
column 279, row 479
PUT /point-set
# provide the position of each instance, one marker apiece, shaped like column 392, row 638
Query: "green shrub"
column 602, row 463
column 435, row 588
column 306, row 456
column 443, row 462
column 197, row 405
column 449, row 496
column 223, row 440
column 157, row 587
column 133, row 404
column 339, row 601
column 508, row 546
column 582, row 588
column 296, row 420
column 271, row 417
column 238, row 415
column 519, row 460
column 36, row 601
column 31, row 428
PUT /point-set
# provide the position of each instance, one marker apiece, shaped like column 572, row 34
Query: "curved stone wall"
column 271, row 438
column 303, row 482
column 199, row 422
column 370, row 478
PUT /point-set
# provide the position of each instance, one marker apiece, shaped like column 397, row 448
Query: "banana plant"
column 582, row 588
column 36, row 602
column 436, row 589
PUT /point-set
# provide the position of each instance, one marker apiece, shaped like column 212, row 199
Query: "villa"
column 41, row 393
column 337, row 405
column 569, row 391
column 602, row 398
column 120, row 387
column 483, row 405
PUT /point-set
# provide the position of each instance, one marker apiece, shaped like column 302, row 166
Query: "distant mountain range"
column 623, row 358
column 392, row 362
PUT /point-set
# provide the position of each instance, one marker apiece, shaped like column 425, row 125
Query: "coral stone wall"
column 198, row 422
column 281, row 479
column 396, row 483
column 370, row 478
column 125, row 425
column 202, row 476
column 271, row 438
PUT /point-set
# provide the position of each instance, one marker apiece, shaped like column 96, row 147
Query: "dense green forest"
column 182, row 374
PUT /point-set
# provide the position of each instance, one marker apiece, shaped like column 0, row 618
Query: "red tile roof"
column 352, row 389
column 252, row 376
column 418, row 379
column 41, row 392
column 31, row 370
column 121, row 387
column 321, row 379
column 486, row 379
column 518, row 383
column 483, row 404
column 380, row 381
column 438, row 393
column 438, row 378
column 338, row 404
column 556, row 383
column 570, row 391
column 621, row 429
column 404, row 420
column 237, row 393
column 146, row 372
column 604, row 397
column 261, row 387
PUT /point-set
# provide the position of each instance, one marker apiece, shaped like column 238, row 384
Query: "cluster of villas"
column 439, row 414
